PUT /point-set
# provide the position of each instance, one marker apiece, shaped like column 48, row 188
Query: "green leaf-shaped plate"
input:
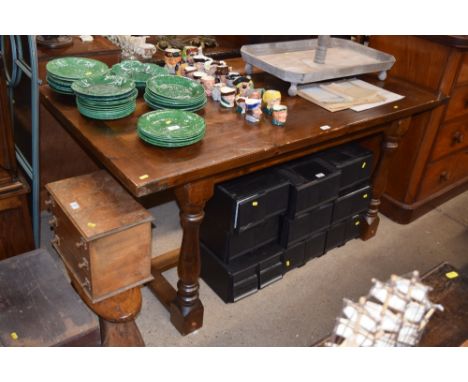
column 104, row 86
column 74, row 68
column 171, row 124
column 138, row 71
column 175, row 87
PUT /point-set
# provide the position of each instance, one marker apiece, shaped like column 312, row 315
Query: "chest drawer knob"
column 82, row 244
column 56, row 240
column 84, row 264
column 457, row 137
column 444, row 176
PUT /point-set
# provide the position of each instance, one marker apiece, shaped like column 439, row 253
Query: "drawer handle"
column 84, row 264
column 53, row 222
column 444, row 176
column 56, row 240
column 86, row 284
column 457, row 137
column 82, row 244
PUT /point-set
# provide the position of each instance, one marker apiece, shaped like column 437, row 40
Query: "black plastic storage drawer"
column 293, row 230
column 270, row 267
column 352, row 160
column 243, row 276
column 231, row 282
column 293, row 257
column 242, row 202
column 230, row 245
column 351, row 203
column 343, row 231
column 313, row 182
column 315, row 245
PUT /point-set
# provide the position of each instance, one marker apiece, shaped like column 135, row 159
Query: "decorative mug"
column 243, row 85
column 240, row 104
column 189, row 70
column 216, row 92
column 211, row 67
column 270, row 98
column 188, row 53
column 227, row 96
column 280, row 114
column 256, row 93
column 197, row 76
column 208, row 83
column 231, row 77
column 172, row 59
column 146, row 50
column 221, row 72
column 253, row 112
column 199, row 62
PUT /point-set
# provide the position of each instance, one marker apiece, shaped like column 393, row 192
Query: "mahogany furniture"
column 15, row 223
column 104, row 239
column 231, row 147
column 38, row 306
column 432, row 165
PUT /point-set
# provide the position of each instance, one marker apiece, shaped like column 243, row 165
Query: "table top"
column 230, row 141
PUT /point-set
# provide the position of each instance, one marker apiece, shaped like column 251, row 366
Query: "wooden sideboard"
column 432, row 164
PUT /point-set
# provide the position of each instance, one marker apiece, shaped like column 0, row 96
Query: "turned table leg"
column 186, row 309
column 392, row 137
column 117, row 317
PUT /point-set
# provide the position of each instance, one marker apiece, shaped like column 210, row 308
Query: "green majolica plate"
column 106, row 115
column 107, row 85
column 138, row 71
column 175, row 87
column 106, row 109
column 106, row 102
column 74, row 68
column 168, row 101
column 169, row 124
column 158, row 106
column 172, row 144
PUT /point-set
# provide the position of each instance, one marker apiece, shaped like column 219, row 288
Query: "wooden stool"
column 38, row 306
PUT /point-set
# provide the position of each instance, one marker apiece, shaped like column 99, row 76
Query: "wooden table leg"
column 392, row 137
column 186, row 309
column 117, row 317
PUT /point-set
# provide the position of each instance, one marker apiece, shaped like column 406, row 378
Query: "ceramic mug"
column 230, row 78
column 146, row 50
column 270, row 98
column 216, row 92
column 280, row 114
column 188, row 53
column 199, row 62
column 243, row 85
column 172, row 59
column 240, row 104
column 227, row 96
column 189, row 70
column 197, row 76
column 221, row 72
column 208, row 83
column 253, row 112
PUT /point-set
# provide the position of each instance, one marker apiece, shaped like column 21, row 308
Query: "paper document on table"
column 352, row 94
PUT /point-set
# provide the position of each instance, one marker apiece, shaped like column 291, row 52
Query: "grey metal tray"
column 293, row 61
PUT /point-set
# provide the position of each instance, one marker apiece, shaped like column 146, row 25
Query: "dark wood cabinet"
column 432, row 165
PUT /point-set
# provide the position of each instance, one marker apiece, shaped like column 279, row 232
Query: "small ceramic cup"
column 146, row 50
column 208, row 83
column 230, row 78
column 243, row 85
column 256, row 93
column 188, row 53
column 227, row 96
column 199, row 62
column 221, row 72
column 189, row 70
column 211, row 66
column 253, row 112
column 280, row 114
column 197, row 76
column 240, row 104
column 216, row 92
column 270, row 98
column 172, row 58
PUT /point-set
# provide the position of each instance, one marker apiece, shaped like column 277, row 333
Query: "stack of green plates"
column 105, row 97
column 174, row 92
column 62, row 72
column 171, row 128
column 138, row 71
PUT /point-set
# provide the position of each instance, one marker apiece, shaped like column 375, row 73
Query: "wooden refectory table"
column 231, row 147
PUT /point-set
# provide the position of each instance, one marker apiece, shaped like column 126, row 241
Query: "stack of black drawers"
column 260, row 226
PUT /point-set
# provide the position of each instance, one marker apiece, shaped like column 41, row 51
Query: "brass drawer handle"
column 53, row 222
column 56, row 240
column 444, row 176
column 457, row 137
column 84, row 264
column 82, row 244
column 86, row 284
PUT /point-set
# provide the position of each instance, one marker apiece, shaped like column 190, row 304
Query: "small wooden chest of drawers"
column 101, row 233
